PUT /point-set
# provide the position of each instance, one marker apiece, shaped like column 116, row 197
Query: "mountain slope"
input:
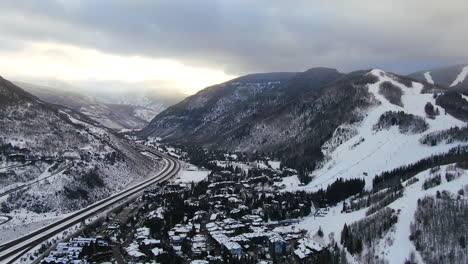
column 114, row 116
column 38, row 139
column 370, row 148
column 452, row 77
column 292, row 118
column 206, row 107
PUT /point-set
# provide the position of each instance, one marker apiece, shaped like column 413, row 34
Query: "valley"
column 233, row 132
column 312, row 167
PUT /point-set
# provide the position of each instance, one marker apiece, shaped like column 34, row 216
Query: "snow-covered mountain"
column 291, row 119
column 209, row 105
column 452, row 77
column 408, row 141
column 77, row 159
column 116, row 116
column 390, row 134
column 416, row 178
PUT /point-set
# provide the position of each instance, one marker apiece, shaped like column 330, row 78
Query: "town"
column 238, row 213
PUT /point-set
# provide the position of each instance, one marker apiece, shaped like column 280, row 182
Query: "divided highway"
column 11, row 251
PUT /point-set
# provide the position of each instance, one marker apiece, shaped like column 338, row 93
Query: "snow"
column 157, row 251
column 244, row 167
column 191, row 174
column 386, row 149
column 24, row 222
column 461, row 76
column 290, row 181
column 3, row 219
column 401, row 247
column 428, row 77
column 464, row 97
column 274, row 164
column 133, row 250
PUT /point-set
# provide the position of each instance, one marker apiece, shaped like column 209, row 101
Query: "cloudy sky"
column 187, row 45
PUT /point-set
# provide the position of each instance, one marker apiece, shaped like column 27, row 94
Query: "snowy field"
column 290, row 181
column 191, row 173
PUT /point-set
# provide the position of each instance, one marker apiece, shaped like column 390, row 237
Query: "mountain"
column 289, row 117
column 401, row 144
column 281, row 114
column 114, row 116
column 157, row 100
column 452, row 77
column 77, row 159
column 197, row 113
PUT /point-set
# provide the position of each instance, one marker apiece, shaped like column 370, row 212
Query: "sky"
column 186, row 45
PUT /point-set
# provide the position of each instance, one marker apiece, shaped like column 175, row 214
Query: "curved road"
column 11, row 251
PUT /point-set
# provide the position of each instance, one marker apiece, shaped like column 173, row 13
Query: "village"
column 233, row 215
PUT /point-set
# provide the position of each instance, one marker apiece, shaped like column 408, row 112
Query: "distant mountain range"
column 452, row 77
column 124, row 111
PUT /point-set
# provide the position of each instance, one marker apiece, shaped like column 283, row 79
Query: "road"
column 11, row 251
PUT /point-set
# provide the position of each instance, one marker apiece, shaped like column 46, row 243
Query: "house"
column 233, row 247
column 307, row 248
column 198, row 244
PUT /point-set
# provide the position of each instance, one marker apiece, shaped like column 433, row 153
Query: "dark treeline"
column 407, row 123
column 368, row 230
column 375, row 200
column 454, row 104
column 439, row 230
column 448, row 136
column 339, row 191
column 391, row 92
column 394, row 177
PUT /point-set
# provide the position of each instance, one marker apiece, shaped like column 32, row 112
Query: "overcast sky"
column 188, row 45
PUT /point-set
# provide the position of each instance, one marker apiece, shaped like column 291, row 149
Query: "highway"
column 11, row 251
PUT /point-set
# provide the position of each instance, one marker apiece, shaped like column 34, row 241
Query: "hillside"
column 197, row 112
column 294, row 118
column 452, row 77
column 291, row 118
column 82, row 160
column 406, row 180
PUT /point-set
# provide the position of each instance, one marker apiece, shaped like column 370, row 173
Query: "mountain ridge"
column 41, row 138
column 446, row 77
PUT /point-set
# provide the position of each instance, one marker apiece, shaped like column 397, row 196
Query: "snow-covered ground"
column 401, row 247
column 368, row 153
column 191, row 173
column 290, row 181
column 428, row 77
column 24, row 222
column 461, row 76
column 192, row 176
column 384, row 149
column 274, row 164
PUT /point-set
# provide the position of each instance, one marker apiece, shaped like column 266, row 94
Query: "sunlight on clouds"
column 71, row 63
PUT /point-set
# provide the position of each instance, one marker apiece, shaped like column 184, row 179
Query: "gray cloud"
column 254, row 36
